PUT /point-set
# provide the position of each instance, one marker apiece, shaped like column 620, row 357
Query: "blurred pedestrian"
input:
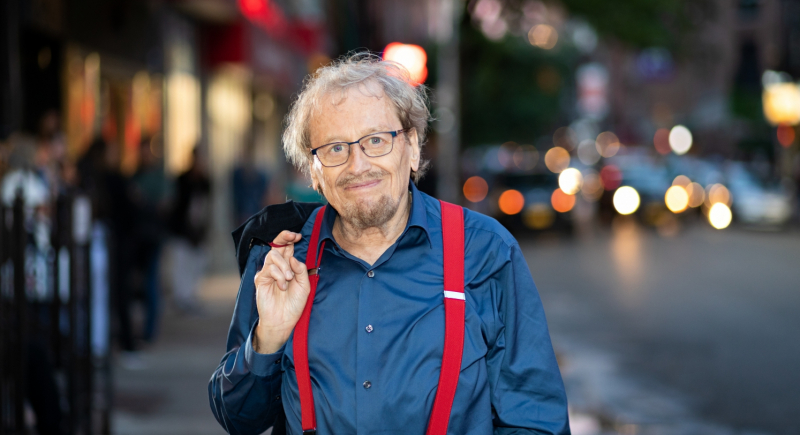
column 250, row 186
column 190, row 222
column 151, row 195
column 110, row 193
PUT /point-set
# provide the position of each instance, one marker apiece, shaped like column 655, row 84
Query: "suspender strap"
column 453, row 238
column 300, row 345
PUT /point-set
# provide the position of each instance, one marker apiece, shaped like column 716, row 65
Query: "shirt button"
column 369, row 328
column 367, row 384
column 370, row 274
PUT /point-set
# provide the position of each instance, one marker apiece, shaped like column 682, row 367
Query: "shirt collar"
column 417, row 218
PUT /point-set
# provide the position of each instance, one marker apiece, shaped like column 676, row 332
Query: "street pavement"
column 697, row 333
column 170, row 395
column 693, row 334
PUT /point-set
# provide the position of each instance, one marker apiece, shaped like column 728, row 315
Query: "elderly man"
column 353, row 340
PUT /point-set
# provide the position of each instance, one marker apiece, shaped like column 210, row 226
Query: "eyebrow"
column 378, row 129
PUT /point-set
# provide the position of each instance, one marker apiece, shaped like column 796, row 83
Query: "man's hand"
column 282, row 289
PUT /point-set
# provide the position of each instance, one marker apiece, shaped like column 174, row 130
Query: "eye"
column 337, row 148
column 375, row 140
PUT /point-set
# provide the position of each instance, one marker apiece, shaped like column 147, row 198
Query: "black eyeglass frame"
column 350, row 144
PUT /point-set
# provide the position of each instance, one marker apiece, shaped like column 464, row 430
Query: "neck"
column 370, row 243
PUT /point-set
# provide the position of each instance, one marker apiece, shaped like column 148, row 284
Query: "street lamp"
column 781, row 101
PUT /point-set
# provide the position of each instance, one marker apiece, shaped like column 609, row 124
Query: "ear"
column 315, row 170
column 413, row 143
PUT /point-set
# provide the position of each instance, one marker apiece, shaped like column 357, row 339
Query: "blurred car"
column 538, row 213
column 699, row 170
column 511, row 167
column 648, row 177
column 754, row 201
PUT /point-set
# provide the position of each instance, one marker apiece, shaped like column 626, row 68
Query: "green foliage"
column 746, row 103
column 639, row 23
column 502, row 97
column 503, row 100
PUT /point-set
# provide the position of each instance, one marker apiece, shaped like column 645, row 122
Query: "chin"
column 372, row 211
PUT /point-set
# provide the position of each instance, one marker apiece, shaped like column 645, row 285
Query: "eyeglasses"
column 373, row 145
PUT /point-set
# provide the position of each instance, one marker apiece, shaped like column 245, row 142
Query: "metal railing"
column 46, row 314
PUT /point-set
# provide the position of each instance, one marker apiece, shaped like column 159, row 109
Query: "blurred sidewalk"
column 170, row 395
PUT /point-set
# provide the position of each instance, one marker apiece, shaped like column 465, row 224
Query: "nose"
column 359, row 162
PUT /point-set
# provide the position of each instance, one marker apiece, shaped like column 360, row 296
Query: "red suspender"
column 300, row 345
column 454, row 301
column 453, row 238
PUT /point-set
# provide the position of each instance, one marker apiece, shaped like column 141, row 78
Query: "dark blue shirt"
column 384, row 323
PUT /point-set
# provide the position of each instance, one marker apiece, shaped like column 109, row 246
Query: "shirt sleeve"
column 244, row 390
column 527, row 391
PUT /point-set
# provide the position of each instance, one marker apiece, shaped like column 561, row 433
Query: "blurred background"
column 643, row 152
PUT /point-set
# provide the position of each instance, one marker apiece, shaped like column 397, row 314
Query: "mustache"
column 361, row 178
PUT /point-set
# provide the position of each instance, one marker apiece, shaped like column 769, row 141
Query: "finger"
column 276, row 274
column 278, row 260
column 262, row 280
column 286, row 237
column 300, row 272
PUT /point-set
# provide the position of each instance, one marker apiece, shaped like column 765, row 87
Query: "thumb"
column 300, row 272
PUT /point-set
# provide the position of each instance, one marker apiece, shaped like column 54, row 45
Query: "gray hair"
column 341, row 75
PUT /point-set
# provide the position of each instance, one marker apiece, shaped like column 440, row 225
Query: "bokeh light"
column 570, row 181
column 505, row 154
column 565, row 137
column 543, row 36
column 697, row 195
column 475, row 189
column 511, row 202
column 786, row 135
column 626, row 200
column 587, row 152
column 661, row 141
column 781, row 103
column 592, row 188
column 677, row 199
column 681, row 180
column 680, row 139
column 611, row 177
column 538, row 216
column 607, row 144
column 556, row 159
column 526, row 157
column 562, row 202
column 412, row 57
column 720, row 216
column 717, row 194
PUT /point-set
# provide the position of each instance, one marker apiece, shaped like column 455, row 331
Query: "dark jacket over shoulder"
column 265, row 225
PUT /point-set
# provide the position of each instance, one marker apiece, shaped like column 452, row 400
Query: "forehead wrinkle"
column 330, row 98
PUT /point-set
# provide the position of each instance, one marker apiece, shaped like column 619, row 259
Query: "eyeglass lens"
column 375, row 145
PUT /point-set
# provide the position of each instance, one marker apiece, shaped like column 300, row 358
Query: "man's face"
column 366, row 191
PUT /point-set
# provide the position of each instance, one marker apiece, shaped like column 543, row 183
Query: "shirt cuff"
column 260, row 364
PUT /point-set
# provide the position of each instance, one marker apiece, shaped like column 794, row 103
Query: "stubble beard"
column 363, row 214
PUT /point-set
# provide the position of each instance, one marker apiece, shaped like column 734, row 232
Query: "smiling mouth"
column 363, row 184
